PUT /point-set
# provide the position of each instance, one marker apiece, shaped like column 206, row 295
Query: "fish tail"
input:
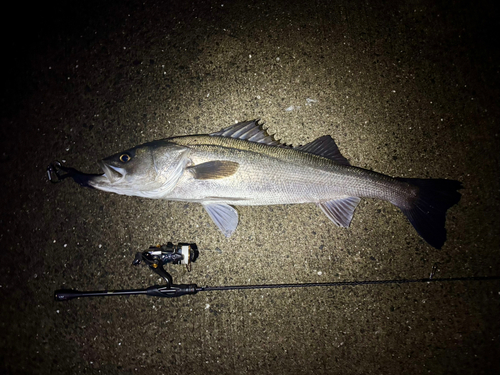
column 427, row 210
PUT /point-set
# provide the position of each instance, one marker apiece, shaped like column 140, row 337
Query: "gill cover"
column 149, row 170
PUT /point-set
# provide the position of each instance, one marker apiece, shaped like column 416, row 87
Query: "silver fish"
column 244, row 165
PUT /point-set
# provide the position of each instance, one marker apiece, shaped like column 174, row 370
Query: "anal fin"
column 340, row 210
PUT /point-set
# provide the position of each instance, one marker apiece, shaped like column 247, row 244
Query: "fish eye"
column 125, row 158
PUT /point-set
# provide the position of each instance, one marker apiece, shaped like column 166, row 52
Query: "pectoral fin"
column 213, row 170
column 340, row 210
column 224, row 216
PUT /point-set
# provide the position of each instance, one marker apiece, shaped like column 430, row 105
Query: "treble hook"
column 55, row 176
column 53, row 172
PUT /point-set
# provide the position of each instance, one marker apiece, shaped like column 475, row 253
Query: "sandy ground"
column 408, row 89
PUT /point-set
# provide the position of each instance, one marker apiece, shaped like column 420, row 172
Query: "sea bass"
column 244, row 165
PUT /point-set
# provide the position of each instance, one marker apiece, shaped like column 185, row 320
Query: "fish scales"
column 243, row 165
column 298, row 177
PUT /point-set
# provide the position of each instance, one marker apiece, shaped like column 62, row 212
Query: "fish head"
column 148, row 170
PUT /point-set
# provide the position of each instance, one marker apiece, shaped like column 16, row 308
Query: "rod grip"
column 66, row 294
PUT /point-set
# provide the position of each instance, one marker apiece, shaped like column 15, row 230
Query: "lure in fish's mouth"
column 57, row 172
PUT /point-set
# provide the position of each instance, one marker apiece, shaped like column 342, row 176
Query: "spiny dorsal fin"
column 250, row 131
column 324, row 146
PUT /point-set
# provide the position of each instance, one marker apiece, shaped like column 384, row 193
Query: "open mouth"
column 113, row 173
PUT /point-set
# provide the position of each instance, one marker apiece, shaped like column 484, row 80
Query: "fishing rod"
column 156, row 257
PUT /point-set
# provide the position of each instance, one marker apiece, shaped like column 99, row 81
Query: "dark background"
column 408, row 89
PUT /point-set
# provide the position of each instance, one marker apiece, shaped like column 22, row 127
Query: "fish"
column 242, row 165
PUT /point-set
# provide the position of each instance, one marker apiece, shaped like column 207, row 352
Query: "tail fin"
column 428, row 212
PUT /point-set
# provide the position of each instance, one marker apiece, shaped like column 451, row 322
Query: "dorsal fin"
column 250, row 131
column 324, row 146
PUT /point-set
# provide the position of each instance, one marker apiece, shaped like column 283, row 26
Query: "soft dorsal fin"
column 250, row 131
column 324, row 146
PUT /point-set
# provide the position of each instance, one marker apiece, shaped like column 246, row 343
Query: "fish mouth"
column 112, row 173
